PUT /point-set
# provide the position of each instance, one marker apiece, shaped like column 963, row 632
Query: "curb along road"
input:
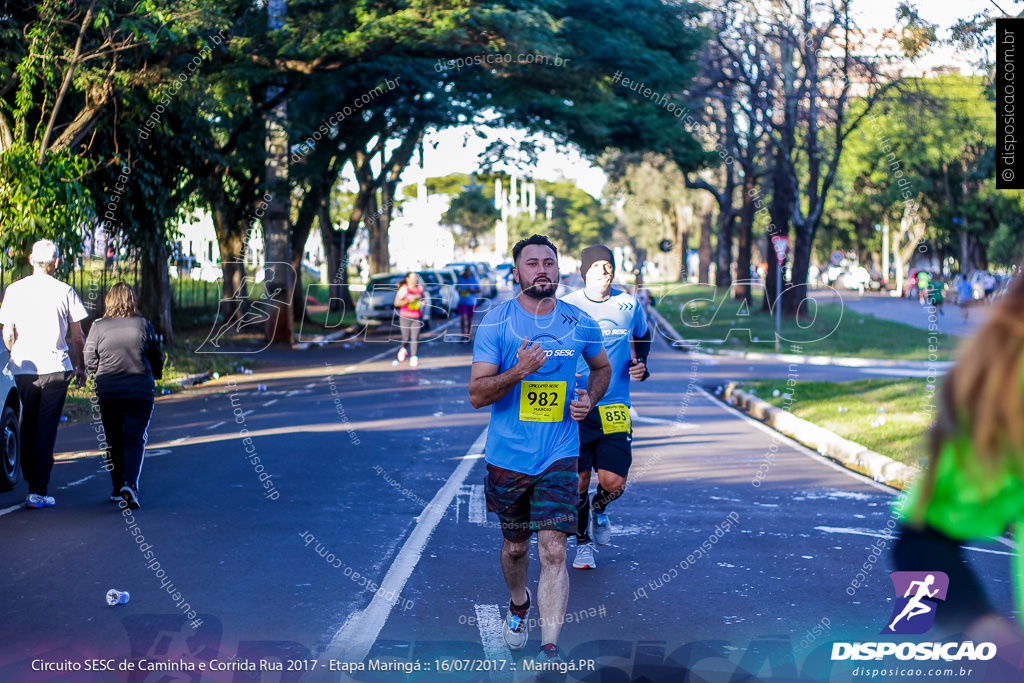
column 849, row 454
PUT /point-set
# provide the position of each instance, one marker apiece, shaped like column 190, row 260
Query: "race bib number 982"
column 541, row 401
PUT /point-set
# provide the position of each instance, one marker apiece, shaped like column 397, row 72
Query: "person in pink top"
column 409, row 299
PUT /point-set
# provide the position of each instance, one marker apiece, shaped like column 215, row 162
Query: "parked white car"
column 376, row 305
column 857, row 278
column 10, row 426
column 977, row 280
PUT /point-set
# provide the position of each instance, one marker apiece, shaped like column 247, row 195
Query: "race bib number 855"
column 615, row 418
column 542, row 401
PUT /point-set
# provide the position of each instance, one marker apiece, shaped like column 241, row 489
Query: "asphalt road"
column 376, row 547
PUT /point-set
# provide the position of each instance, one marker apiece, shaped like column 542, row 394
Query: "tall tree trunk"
column 382, row 224
column 682, row 242
column 308, row 211
column 780, row 209
column 705, row 249
column 281, row 276
column 378, row 234
column 801, row 263
column 744, row 240
column 155, row 290
column 723, row 261
column 336, row 245
column 235, row 290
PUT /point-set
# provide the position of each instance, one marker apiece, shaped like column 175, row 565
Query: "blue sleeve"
column 487, row 342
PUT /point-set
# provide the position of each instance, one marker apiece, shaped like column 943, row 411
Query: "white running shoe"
column 516, row 630
column 585, row 556
column 402, row 354
column 414, row 362
column 34, row 500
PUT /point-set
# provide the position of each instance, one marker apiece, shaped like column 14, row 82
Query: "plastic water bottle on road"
column 116, row 597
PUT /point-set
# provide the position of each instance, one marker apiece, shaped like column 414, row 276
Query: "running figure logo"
column 914, row 612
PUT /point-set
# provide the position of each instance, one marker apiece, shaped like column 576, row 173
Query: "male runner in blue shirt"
column 606, row 434
column 524, row 366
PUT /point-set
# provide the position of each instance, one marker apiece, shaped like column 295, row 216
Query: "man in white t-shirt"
column 37, row 313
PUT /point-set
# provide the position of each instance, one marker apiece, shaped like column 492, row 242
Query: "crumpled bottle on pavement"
column 116, row 597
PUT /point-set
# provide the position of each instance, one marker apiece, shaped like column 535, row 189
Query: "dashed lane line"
column 353, row 641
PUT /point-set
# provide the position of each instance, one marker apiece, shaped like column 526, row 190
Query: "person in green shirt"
column 974, row 484
column 923, row 280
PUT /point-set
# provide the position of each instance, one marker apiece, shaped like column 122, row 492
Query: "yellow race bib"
column 542, row 401
column 615, row 418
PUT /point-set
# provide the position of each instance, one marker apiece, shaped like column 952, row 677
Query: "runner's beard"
column 541, row 291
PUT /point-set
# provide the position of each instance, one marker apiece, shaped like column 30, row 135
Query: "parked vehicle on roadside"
column 10, row 426
column 491, row 274
column 442, row 293
column 376, row 305
column 504, row 271
column 856, row 277
column 977, row 279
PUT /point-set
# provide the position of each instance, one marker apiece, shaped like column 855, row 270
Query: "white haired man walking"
column 37, row 314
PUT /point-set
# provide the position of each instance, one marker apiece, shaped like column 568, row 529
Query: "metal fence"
column 91, row 278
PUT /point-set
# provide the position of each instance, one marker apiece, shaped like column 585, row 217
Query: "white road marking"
column 270, row 402
column 352, row 642
column 11, row 509
column 477, row 508
column 897, row 372
column 984, row 550
column 491, row 623
column 76, row 483
column 217, row 424
column 660, row 421
column 636, row 417
column 875, row 534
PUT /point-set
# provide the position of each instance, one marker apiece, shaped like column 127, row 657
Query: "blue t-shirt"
column 621, row 318
column 468, row 289
column 530, row 426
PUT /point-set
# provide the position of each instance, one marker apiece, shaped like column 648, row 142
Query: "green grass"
column 331, row 320
column 699, row 313
column 904, row 402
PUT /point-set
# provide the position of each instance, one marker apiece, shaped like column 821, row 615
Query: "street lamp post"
column 781, row 244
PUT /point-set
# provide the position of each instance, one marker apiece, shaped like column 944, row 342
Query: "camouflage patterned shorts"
column 526, row 503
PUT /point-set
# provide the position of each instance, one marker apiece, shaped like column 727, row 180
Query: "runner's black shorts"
column 526, row 503
column 600, row 451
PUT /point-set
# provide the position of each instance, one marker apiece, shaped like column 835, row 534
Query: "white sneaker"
column 516, row 630
column 414, row 361
column 585, row 557
column 34, row 500
column 402, row 354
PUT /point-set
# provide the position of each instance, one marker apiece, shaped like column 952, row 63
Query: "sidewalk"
column 910, row 311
